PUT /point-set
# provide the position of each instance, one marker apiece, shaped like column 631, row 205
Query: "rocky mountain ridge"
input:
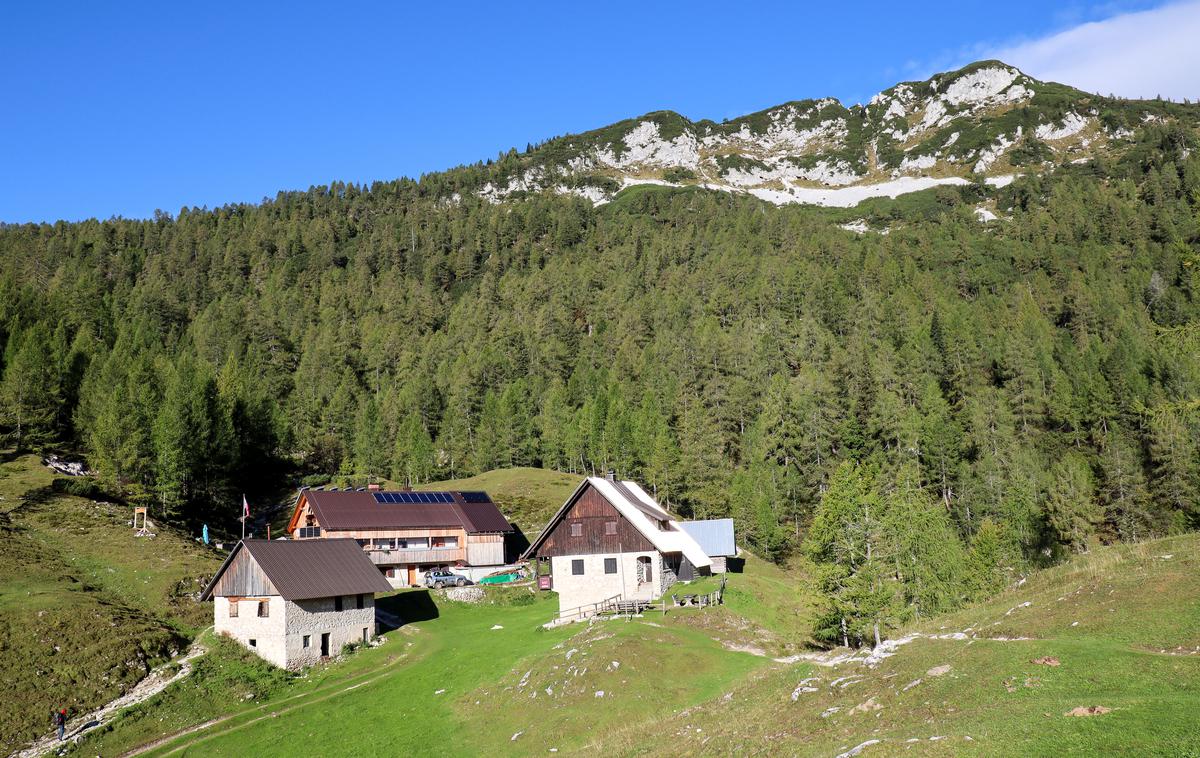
column 985, row 122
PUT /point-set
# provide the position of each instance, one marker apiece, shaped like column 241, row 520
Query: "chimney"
column 611, row 475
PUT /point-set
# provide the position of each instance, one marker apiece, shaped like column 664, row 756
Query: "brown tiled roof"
column 305, row 569
column 360, row 510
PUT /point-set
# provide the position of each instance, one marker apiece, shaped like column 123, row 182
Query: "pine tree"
column 1071, row 507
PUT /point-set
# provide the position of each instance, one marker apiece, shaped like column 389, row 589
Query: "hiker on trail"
column 60, row 721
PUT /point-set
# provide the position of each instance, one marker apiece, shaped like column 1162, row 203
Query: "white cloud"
column 1137, row 55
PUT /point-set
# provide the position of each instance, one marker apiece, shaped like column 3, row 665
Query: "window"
column 577, row 567
column 358, row 602
column 337, row 603
column 644, row 574
column 610, row 527
column 253, row 642
column 576, row 529
column 264, row 610
column 390, row 573
column 233, row 609
column 610, row 565
column 307, row 640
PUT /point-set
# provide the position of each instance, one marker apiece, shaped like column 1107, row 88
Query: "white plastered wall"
column 594, row 585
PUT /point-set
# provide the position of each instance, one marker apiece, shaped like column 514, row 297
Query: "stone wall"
column 312, row 618
column 264, row 636
column 279, row 638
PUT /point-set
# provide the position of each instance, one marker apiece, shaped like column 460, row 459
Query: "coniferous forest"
column 949, row 394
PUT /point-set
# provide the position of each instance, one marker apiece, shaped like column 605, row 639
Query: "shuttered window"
column 577, row 567
column 610, row 565
column 610, row 527
column 576, row 529
column 233, row 609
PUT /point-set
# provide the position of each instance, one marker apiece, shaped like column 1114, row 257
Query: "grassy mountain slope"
column 1121, row 625
column 527, row 496
column 85, row 607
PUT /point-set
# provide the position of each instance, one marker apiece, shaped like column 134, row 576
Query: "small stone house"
column 611, row 539
column 294, row 603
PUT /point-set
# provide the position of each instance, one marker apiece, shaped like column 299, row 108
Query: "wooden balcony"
column 427, row 555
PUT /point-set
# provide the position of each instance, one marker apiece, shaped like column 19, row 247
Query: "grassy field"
column 85, row 607
column 1121, row 630
column 452, row 684
column 1117, row 631
column 527, row 496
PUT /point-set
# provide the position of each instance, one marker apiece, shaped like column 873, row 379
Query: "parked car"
column 438, row 578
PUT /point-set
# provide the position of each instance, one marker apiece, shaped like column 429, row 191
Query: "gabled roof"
column 639, row 509
column 715, row 536
column 305, row 569
column 356, row 509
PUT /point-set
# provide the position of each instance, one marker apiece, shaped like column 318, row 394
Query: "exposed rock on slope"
column 986, row 121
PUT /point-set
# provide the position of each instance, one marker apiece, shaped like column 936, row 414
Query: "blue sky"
column 124, row 110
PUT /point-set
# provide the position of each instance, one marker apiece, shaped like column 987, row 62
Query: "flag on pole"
column 245, row 508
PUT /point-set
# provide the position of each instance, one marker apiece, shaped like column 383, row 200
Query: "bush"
column 82, row 486
column 678, row 174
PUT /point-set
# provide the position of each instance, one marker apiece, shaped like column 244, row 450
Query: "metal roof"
column 714, row 535
column 306, row 569
column 361, row 510
column 641, row 510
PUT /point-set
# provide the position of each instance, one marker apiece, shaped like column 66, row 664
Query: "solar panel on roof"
column 379, row 497
column 447, row 497
column 475, row 497
column 391, row 497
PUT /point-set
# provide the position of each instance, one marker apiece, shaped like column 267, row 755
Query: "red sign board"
column 545, row 583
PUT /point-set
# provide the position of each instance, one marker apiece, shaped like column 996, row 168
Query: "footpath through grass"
column 86, row 608
column 447, row 685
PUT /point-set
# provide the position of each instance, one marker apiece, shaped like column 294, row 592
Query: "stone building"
column 407, row 533
column 611, row 539
column 294, row 603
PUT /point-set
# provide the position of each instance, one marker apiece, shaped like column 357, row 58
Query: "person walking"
column 60, row 722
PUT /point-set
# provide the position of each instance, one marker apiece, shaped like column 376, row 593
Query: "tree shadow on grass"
column 402, row 608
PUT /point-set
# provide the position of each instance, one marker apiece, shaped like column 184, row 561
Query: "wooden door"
column 325, row 645
column 412, row 576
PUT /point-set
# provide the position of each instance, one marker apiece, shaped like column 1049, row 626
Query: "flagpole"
column 243, row 518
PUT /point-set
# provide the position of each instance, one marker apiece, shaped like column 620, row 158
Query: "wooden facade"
column 587, row 529
column 244, row 578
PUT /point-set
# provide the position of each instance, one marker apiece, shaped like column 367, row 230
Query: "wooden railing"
column 590, row 609
column 417, row 555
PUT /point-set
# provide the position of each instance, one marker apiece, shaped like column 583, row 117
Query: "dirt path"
column 176, row 742
column 154, row 682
